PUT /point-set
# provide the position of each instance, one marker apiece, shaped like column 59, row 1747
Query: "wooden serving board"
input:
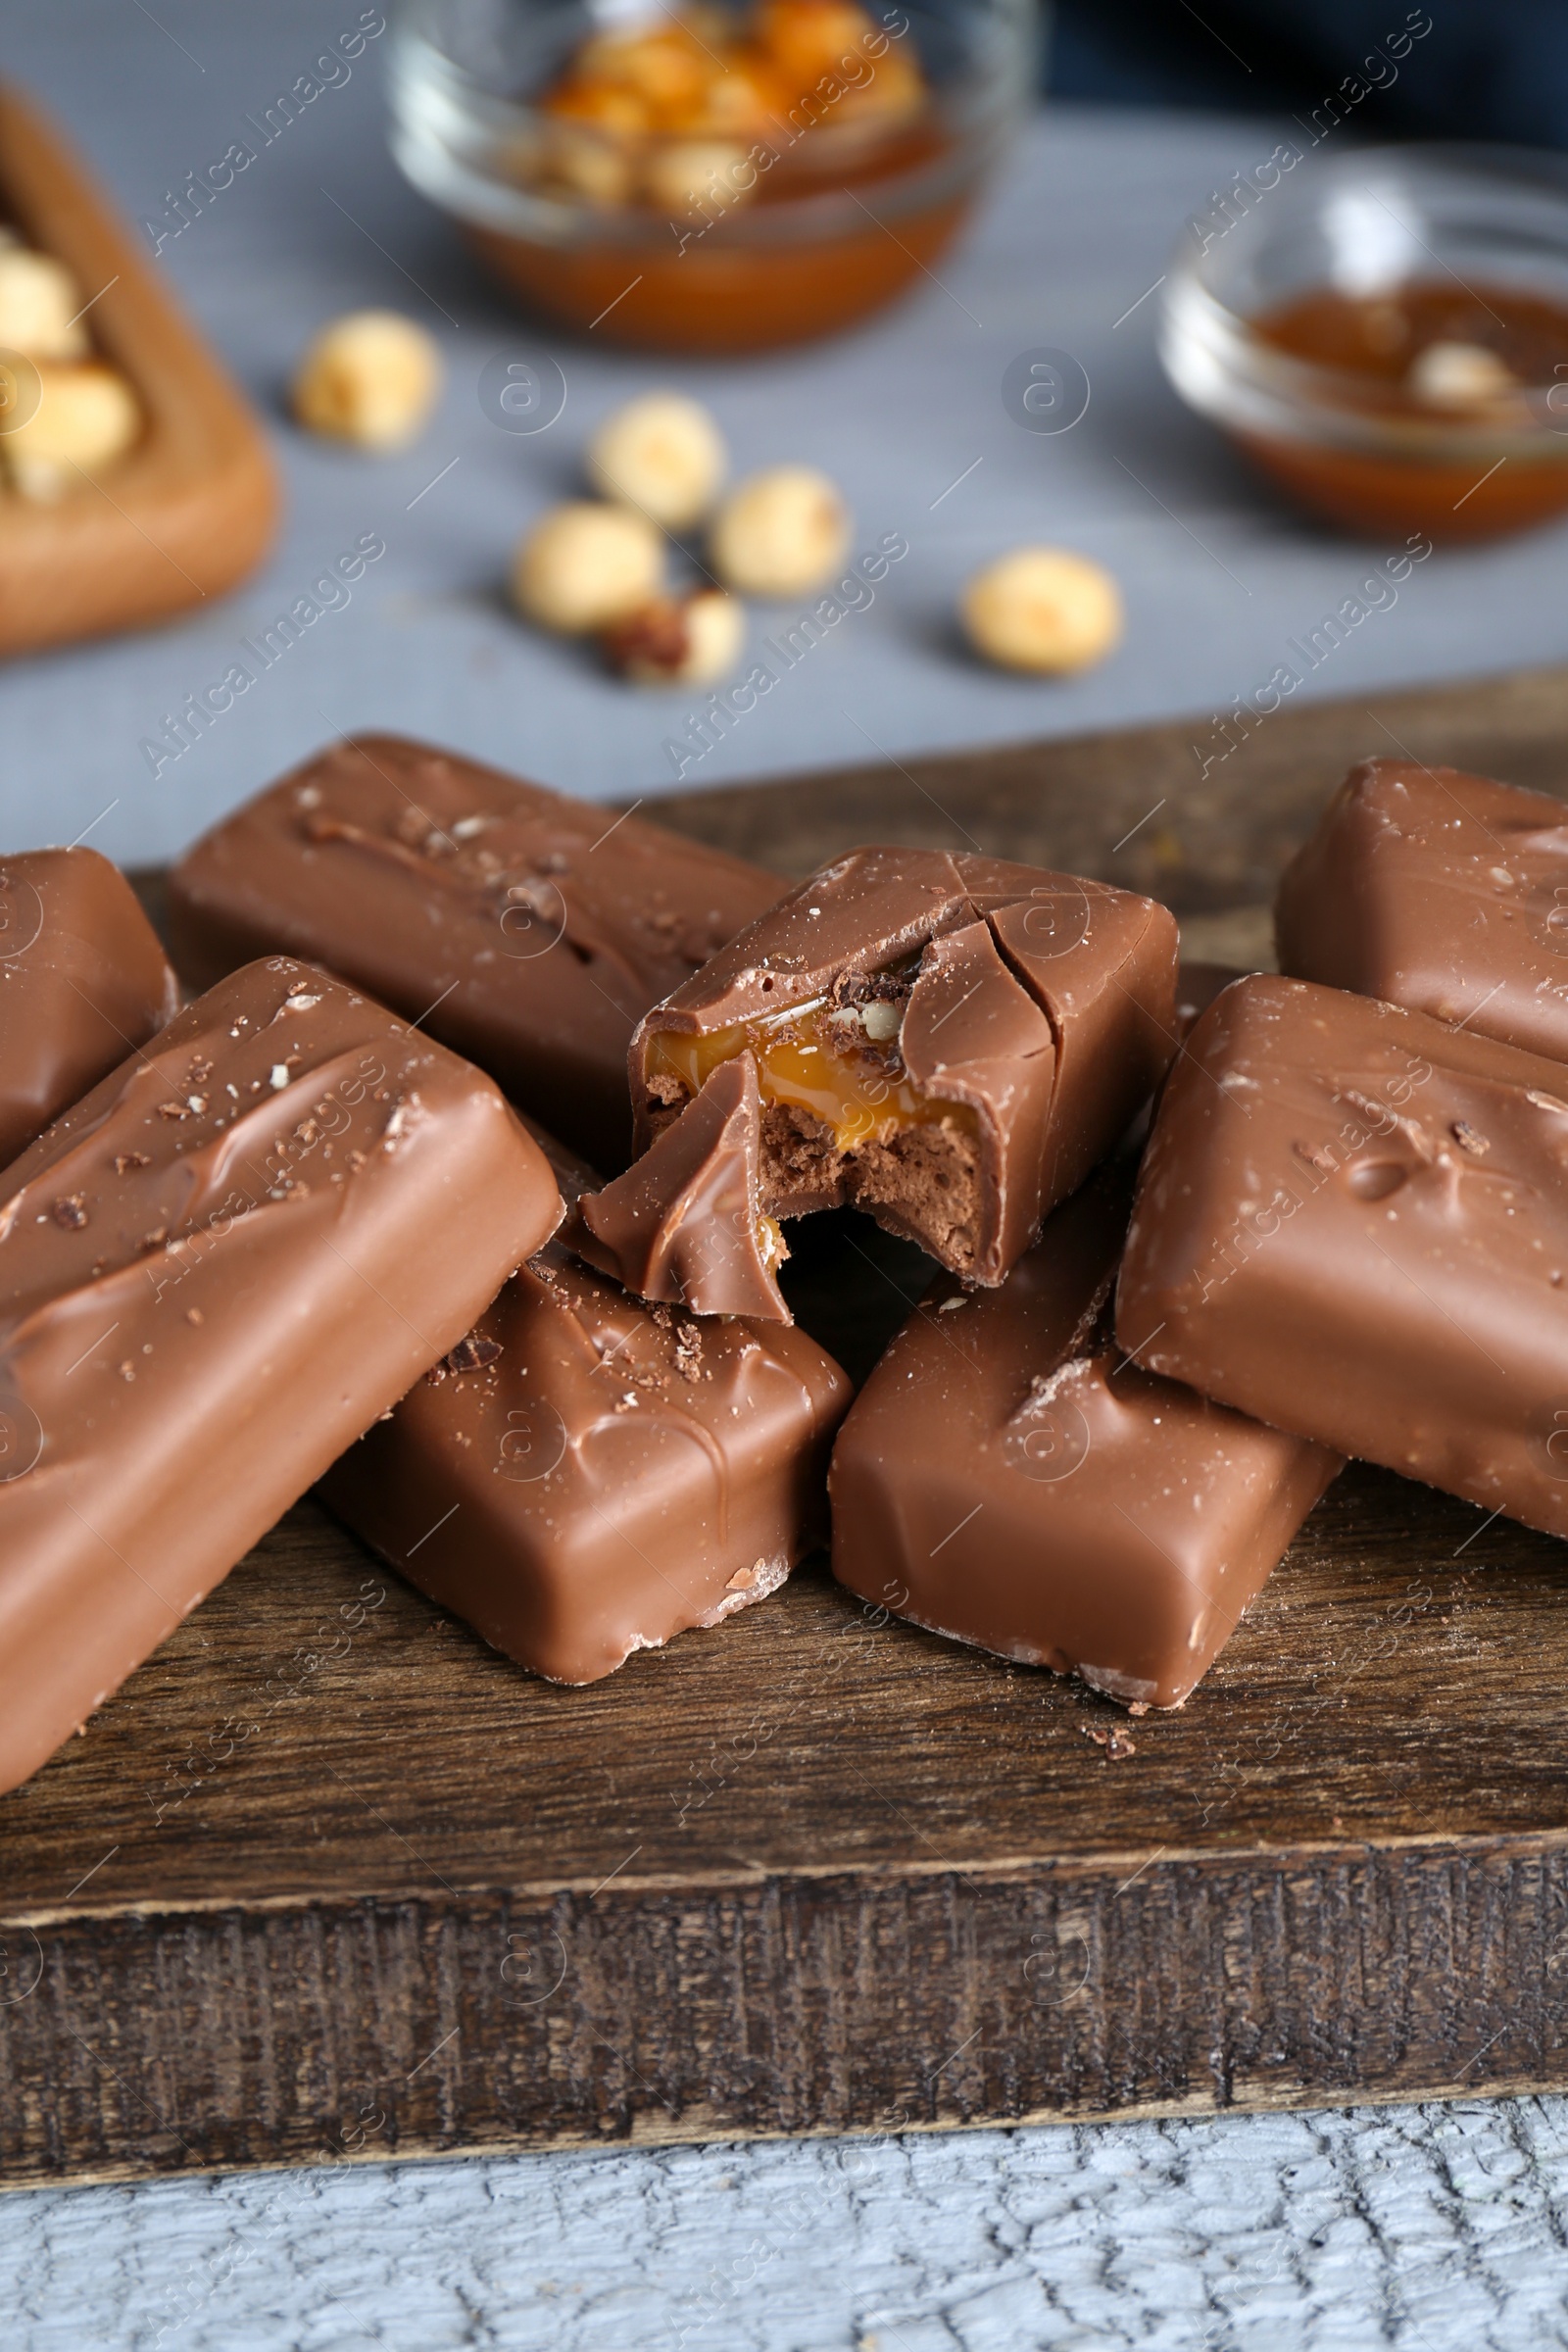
column 328, row 1880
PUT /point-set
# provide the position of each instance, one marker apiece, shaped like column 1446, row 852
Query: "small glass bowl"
column 732, row 277
column 1372, row 225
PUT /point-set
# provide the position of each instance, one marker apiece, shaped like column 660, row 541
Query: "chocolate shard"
column 682, row 1225
column 949, row 1042
column 247, row 1285
column 82, row 982
column 1007, row 1478
column 613, row 1474
column 1438, row 891
column 528, row 931
column 1353, row 1222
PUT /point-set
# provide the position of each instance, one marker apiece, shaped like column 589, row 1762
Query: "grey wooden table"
column 1444, row 2229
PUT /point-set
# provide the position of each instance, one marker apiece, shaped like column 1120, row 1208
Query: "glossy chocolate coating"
column 215, row 1272
column 1007, row 1479
column 588, row 1475
column 681, row 1225
column 1438, row 891
column 1042, row 1009
column 1353, row 1221
column 82, row 982
column 529, row 931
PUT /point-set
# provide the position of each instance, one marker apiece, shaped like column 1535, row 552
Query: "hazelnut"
column 1460, row 375
column 87, row 416
column 1043, row 609
column 677, row 640
column 372, row 377
column 663, row 453
column 583, row 566
column 683, row 173
column 781, row 533
column 39, row 302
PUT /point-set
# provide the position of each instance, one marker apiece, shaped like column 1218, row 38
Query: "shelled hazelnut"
column 1043, row 609
column 583, row 566
column 370, row 378
column 677, row 640
column 781, row 533
column 661, row 454
column 86, row 415
column 41, row 303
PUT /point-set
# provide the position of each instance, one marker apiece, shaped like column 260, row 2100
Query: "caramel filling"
column 807, row 1057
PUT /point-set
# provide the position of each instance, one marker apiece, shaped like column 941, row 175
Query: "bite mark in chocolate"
column 949, row 1042
column 682, row 1225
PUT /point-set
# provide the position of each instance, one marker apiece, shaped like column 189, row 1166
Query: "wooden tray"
column 328, row 1879
column 193, row 507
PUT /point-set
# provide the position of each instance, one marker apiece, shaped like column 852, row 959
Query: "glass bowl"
column 1328, row 315
column 819, row 226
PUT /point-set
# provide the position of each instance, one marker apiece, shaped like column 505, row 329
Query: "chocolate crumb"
column 193, row 1314
column 125, row 1161
column 72, row 1212
column 472, row 1354
column 1116, row 1743
column 1469, row 1140
column 173, row 1111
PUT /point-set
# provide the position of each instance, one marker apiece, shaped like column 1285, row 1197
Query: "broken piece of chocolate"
column 526, row 930
column 1353, row 1222
column 276, row 1215
column 609, row 1474
column 1007, row 1478
column 682, row 1224
column 950, row 1042
column 82, row 983
column 1438, row 891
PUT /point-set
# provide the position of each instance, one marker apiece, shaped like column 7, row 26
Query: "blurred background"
column 1488, row 70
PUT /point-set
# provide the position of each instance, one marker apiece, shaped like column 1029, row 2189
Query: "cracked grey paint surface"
column 1439, row 2229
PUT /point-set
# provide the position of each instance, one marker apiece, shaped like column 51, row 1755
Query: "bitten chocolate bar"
column 1007, row 1478
column 682, row 1224
column 585, row 1475
column 82, row 982
column 529, row 931
column 215, row 1272
column 950, row 1042
column 1353, row 1222
column 1441, row 891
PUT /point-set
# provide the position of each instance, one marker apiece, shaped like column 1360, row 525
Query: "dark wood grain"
column 328, row 1879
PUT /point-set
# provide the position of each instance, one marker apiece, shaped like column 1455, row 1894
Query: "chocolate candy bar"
column 1353, row 1222
column 1441, row 891
column 192, row 507
column 82, row 982
column 682, row 1224
column 1007, row 1478
column 529, row 931
column 585, row 1476
column 215, row 1271
column 950, row 1042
